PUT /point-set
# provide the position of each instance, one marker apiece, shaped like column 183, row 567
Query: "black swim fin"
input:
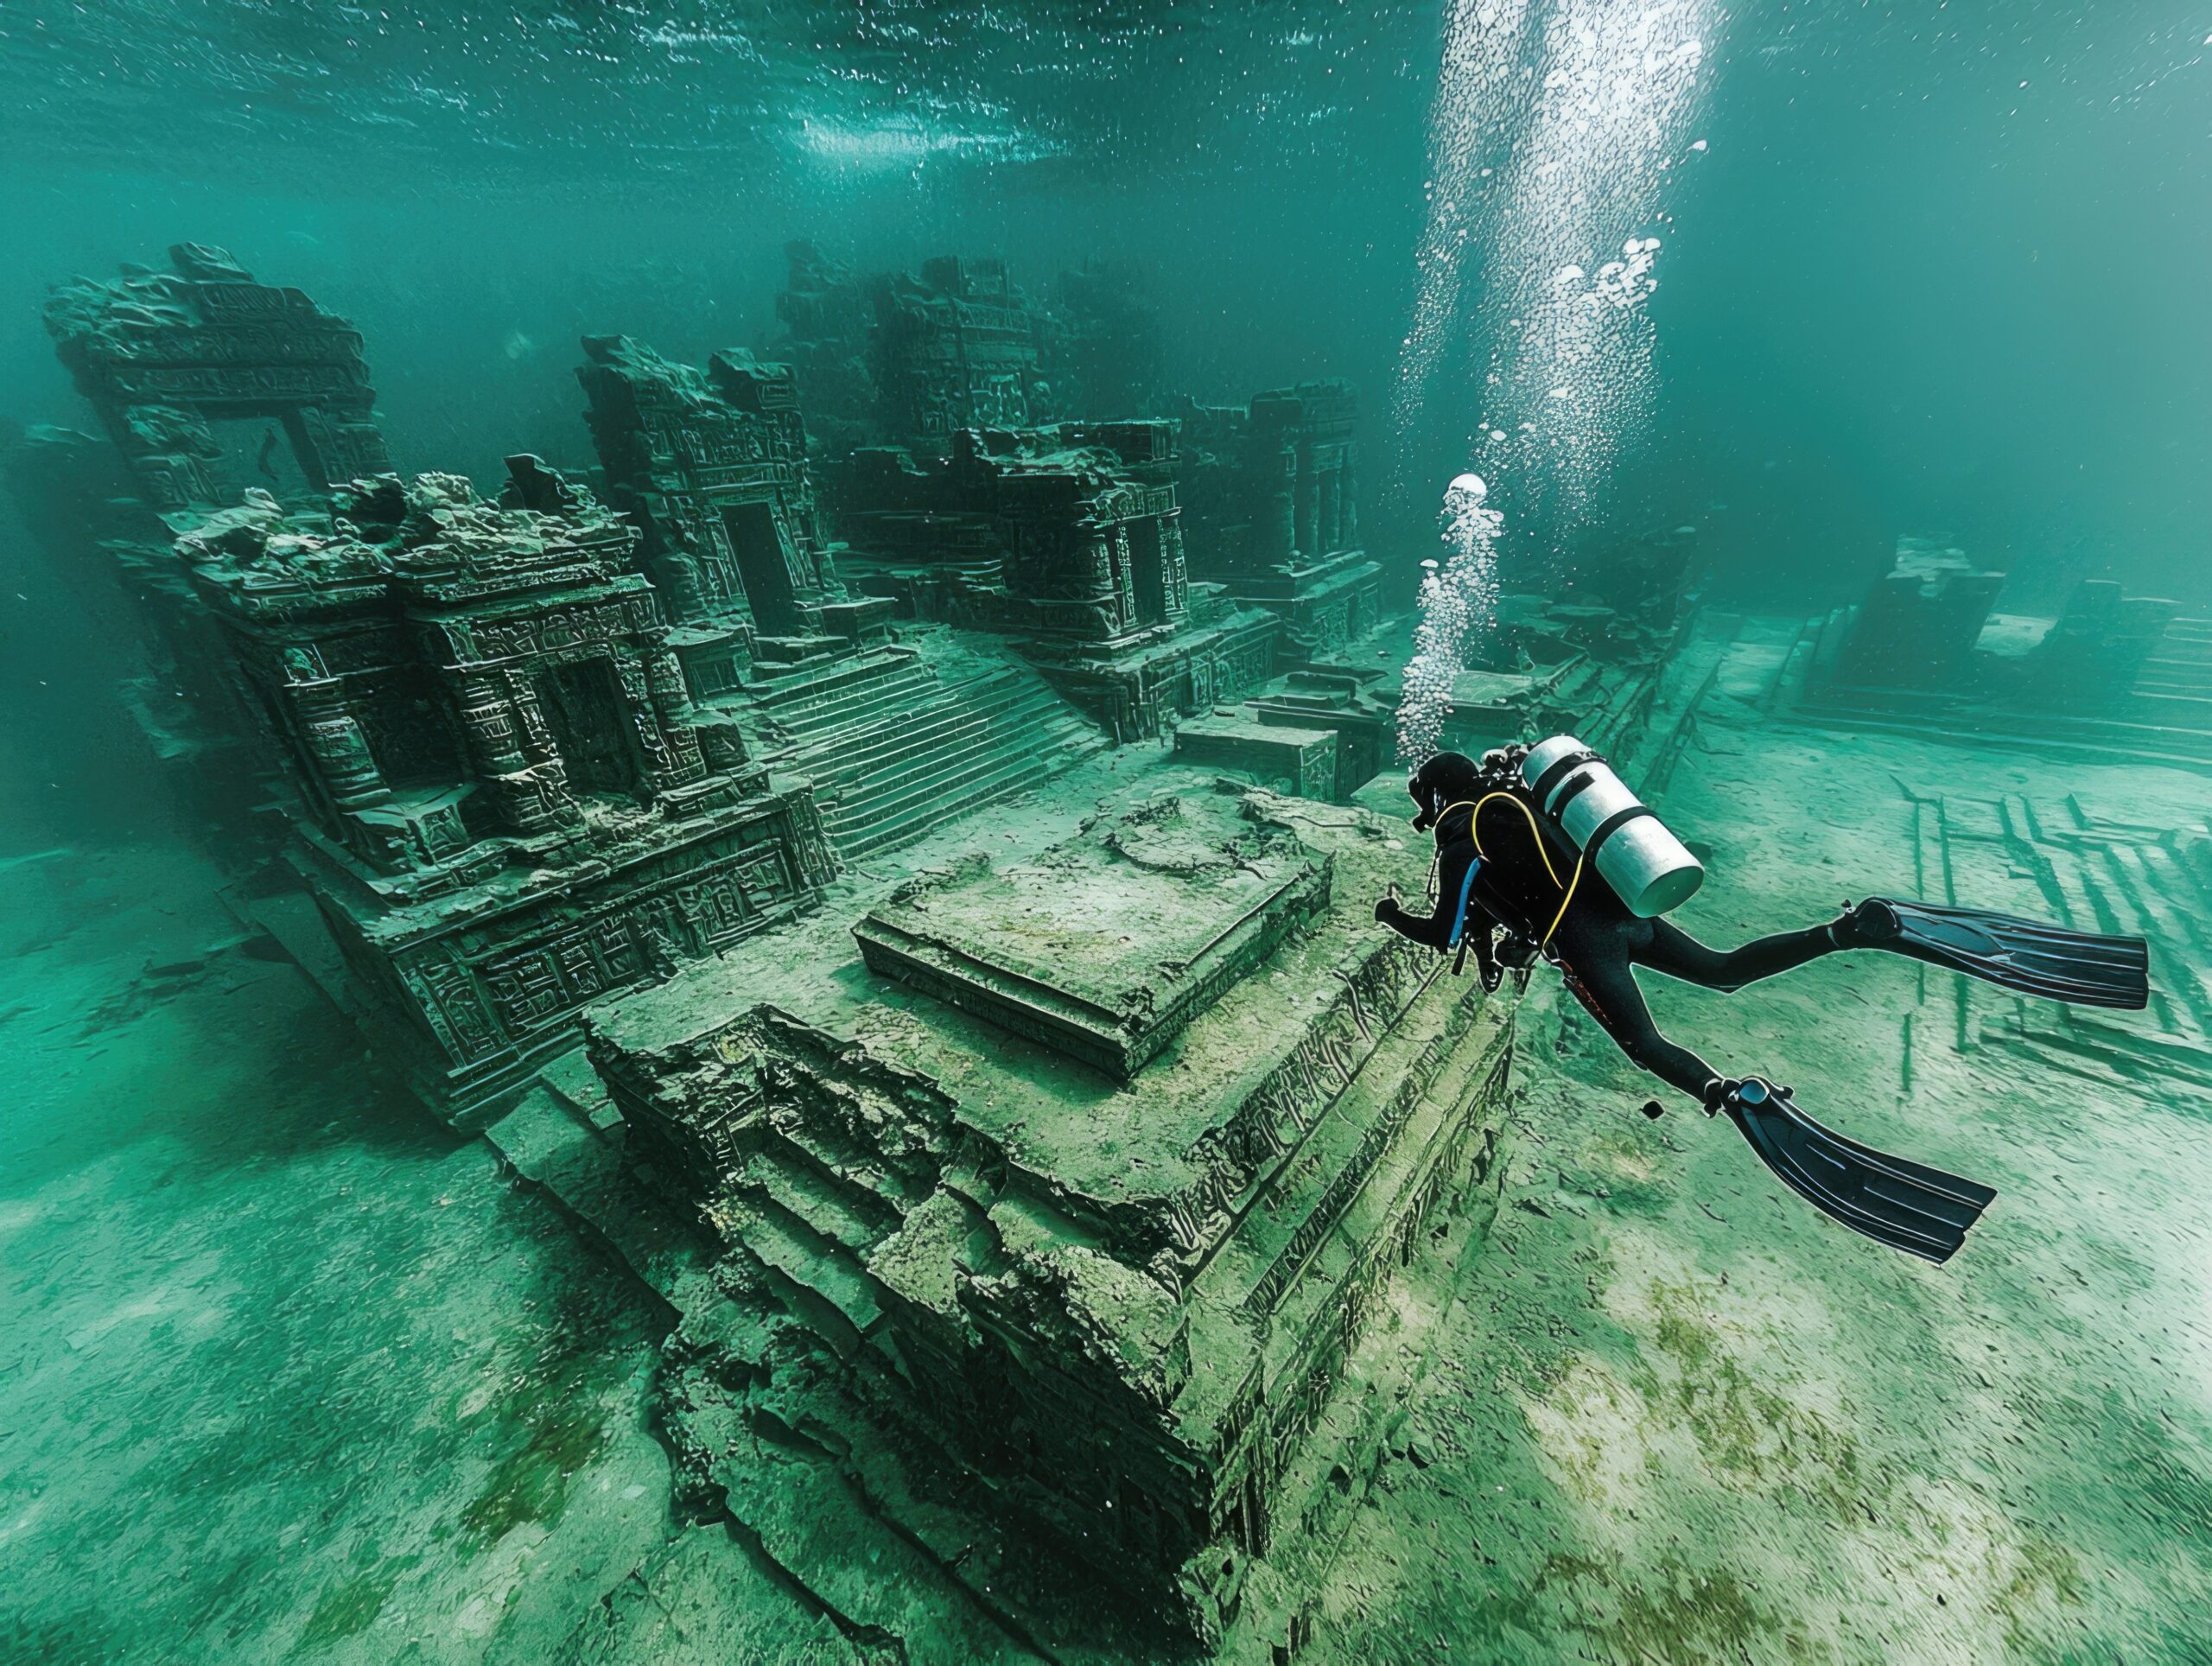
column 2025, row 955
column 1907, row 1205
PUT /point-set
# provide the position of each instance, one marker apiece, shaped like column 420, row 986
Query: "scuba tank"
column 1615, row 832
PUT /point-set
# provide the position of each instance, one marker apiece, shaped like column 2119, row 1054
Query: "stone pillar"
column 1347, row 502
column 344, row 766
column 1174, row 564
column 497, row 727
column 1125, row 584
column 672, row 706
column 644, row 723
column 1307, row 498
column 1105, row 574
column 1275, row 524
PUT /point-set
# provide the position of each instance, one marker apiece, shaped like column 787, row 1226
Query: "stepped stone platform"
column 1103, row 950
column 1100, row 1344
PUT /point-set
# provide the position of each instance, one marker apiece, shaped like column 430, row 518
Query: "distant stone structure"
column 2112, row 675
column 898, row 738
column 1071, row 538
column 910, row 358
column 712, row 466
column 506, row 805
column 1067, row 1227
column 1272, row 492
column 206, row 384
column 1048, row 532
column 828, row 319
column 1921, row 619
column 958, row 346
column 211, row 383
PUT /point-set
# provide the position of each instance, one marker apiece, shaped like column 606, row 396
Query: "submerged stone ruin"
column 206, row 385
column 898, row 879
column 2110, row 674
column 502, row 799
column 1058, row 1223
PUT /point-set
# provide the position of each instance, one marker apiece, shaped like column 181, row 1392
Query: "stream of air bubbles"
column 1557, row 128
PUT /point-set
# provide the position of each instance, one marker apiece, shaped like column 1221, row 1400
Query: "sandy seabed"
column 287, row 1371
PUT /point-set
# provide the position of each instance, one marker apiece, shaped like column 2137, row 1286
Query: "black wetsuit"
column 1597, row 944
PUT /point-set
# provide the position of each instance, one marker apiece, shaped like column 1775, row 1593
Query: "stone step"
column 2091, row 737
column 991, row 693
column 893, row 793
column 807, row 1263
column 1003, row 723
column 974, row 789
column 883, row 733
column 1315, row 1182
column 2184, row 711
column 829, row 708
column 890, row 780
column 859, row 670
column 853, row 1216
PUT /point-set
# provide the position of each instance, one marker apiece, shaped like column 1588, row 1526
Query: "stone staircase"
column 2181, row 666
column 901, row 740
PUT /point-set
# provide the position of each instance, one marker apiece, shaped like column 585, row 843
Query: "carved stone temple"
column 1069, row 539
column 2110, row 674
column 505, row 805
column 206, row 383
column 1272, row 492
column 895, row 858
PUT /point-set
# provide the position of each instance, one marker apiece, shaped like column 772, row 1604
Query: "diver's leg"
column 1607, row 987
column 1454, row 867
column 1670, row 950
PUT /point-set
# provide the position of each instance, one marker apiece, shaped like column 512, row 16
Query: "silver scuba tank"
column 1616, row 832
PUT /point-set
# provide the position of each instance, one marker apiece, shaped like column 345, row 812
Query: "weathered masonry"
column 1075, row 1211
column 502, row 802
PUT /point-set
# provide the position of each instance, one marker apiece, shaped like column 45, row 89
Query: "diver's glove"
column 1387, row 910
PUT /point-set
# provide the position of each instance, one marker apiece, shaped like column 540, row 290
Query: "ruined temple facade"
column 210, row 382
column 503, row 803
column 206, row 383
column 711, row 465
column 958, row 346
column 2110, row 674
column 1068, row 539
column 1271, row 489
column 1051, row 532
column 910, row 358
column 827, row 319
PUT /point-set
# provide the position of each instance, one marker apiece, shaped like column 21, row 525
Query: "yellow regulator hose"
column 1542, row 850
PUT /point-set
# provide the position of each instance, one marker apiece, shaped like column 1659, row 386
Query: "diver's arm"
column 1455, row 869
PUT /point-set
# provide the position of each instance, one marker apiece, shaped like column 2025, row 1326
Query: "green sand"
column 286, row 1371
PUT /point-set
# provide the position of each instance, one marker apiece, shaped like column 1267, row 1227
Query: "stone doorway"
column 763, row 569
column 1148, row 574
column 260, row 451
column 590, row 722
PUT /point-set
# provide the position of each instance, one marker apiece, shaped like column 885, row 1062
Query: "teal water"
column 287, row 1371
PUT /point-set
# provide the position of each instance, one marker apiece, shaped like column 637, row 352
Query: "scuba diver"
column 1518, row 836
